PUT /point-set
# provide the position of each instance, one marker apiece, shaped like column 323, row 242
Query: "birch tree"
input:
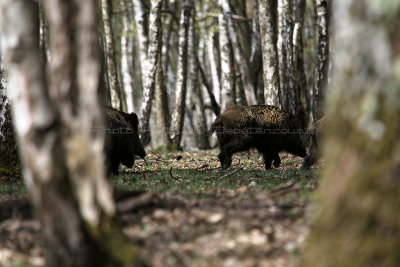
column 149, row 68
column 322, row 65
column 181, row 82
column 357, row 223
column 240, row 59
column 63, row 161
column 117, row 98
column 287, row 76
column 199, row 115
column 268, row 27
column 126, row 56
column 228, row 94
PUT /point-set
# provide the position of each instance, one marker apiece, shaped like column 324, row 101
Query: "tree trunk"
column 162, row 110
column 288, row 80
column 197, row 101
column 241, row 61
column 117, row 98
column 9, row 163
column 228, row 94
column 358, row 222
column 302, row 110
column 150, row 69
column 322, row 65
column 181, row 81
column 214, row 105
column 216, row 85
column 268, row 26
column 142, row 28
column 126, row 57
column 256, row 54
column 62, row 156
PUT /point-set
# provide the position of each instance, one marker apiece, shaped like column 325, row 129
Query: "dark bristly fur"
column 266, row 128
column 122, row 139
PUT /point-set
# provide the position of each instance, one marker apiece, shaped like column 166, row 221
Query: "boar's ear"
column 132, row 119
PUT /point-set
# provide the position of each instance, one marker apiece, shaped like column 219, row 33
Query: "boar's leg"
column 277, row 160
column 268, row 157
column 308, row 161
column 224, row 160
column 225, row 156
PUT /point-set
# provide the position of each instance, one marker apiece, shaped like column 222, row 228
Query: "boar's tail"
column 216, row 125
column 213, row 128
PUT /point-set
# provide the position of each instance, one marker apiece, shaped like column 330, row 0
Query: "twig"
column 170, row 173
column 228, row 174
column 134, row 203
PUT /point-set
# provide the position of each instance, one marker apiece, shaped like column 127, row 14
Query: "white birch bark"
column 322, row 65
column 240, row 59
column 228, row 96
column 117, row 98
column 126, row 57
column 268, row 23
column 149, row 69
column 181, row 81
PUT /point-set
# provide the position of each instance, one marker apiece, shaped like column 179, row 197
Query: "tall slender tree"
column 240, row 59
column 228, row 94
column 268, row 25
column 181, row 82
column 149, row 68
column 197, row 101
column 126, row 56
column 117, row 97
column 322, row 65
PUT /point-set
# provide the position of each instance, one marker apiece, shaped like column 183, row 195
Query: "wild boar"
column 314, row 138
column 266, row 128
column 122, row 139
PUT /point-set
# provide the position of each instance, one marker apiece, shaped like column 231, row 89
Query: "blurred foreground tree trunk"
column 62, row 156
column 117, row 98
column 358, row 222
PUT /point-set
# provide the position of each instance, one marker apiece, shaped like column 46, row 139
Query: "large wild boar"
column 122, row 139
column 266, row 128
column 314, row 138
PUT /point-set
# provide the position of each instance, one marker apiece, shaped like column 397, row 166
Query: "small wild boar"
column 266, row 128
column 122, row 139
column 314, row 138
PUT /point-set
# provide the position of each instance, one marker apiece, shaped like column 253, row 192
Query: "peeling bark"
column 322, row 65
column 268, row 26
column 181, row 81
column 117, row 98
column 149, row 69
column 241, row 61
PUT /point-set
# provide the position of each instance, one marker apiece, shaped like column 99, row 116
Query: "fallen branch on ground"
column 228, row 174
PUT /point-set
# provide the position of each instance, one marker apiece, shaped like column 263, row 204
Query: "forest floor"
column 183, row 210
